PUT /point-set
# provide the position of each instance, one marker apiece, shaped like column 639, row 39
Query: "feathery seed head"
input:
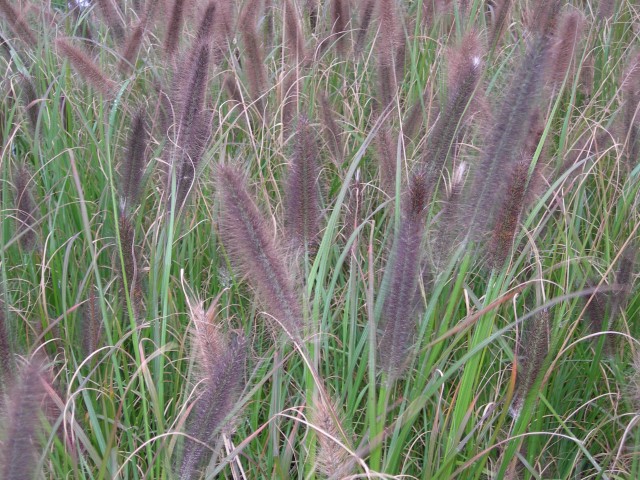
column 86, row 67
column 17, row 23
column 254, row 252
column 134, row 163
column 303, row 192
column 400, row 307
column 333, row 460
column 532, row 352
column 18, row 458
column 221, row 369
column 26, row 211
column 92, row 325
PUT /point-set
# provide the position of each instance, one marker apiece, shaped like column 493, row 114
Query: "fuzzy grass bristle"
column 91, row 324
column 303, row 194
column 193, row 127
column 253, row 65
column 174, row 27
column 465, row 70
column 17, row 23
column 401, row 304
column 596, row 307
column 30, row 100
column 6, row 350
column 293, row 33
column 221, row 369
column 253, row 250
column 112, row 16
column 26, row 210
column 339, row 20
column 86, row 67
column 134, row 163
column 132, row 46
column 508, row 134
column 565, row 46
column 508, row 214
column 386, row 154
column 366, row 15
column 332, row 459
column 531, row 354
column 18, row 459
column 499, row 21
column 331, row 129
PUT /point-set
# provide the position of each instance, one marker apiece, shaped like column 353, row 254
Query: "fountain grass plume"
column 221, row 368
column 508, row 214
column 91, row 324
column 366, row 15
column 294, row 39
column 253, row 251
column 400, row 308
column 606, row 9
column 86, row 67
column 596, row 307
column 465, row 70
column 631, row 112
column 17, row 23
column 222, row 29
column 303, row 213
column 26, row 211
column 563, row 51
column 230, row 85
column 6, row 350
column 30, row 100
column 134, row 41
column 193, row 123
column 530, row 356
column 131, row 46
column 253, row 63
column 174, row 27
column 449, row 225
column 509, row 132
column 339, row 20
column 19, row 456
column 353, row 213
column 207, row 24
column 110, row 13
column 288, row 93
column 331, row 129
column 132, row 270
column 134, row 163
column 333, row 461
column 413, row 122
column 386, row 153
column 386, row 47
column 311, row 7
column 499, row 21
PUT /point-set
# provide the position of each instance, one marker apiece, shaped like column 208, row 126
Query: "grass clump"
column 373, row 195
